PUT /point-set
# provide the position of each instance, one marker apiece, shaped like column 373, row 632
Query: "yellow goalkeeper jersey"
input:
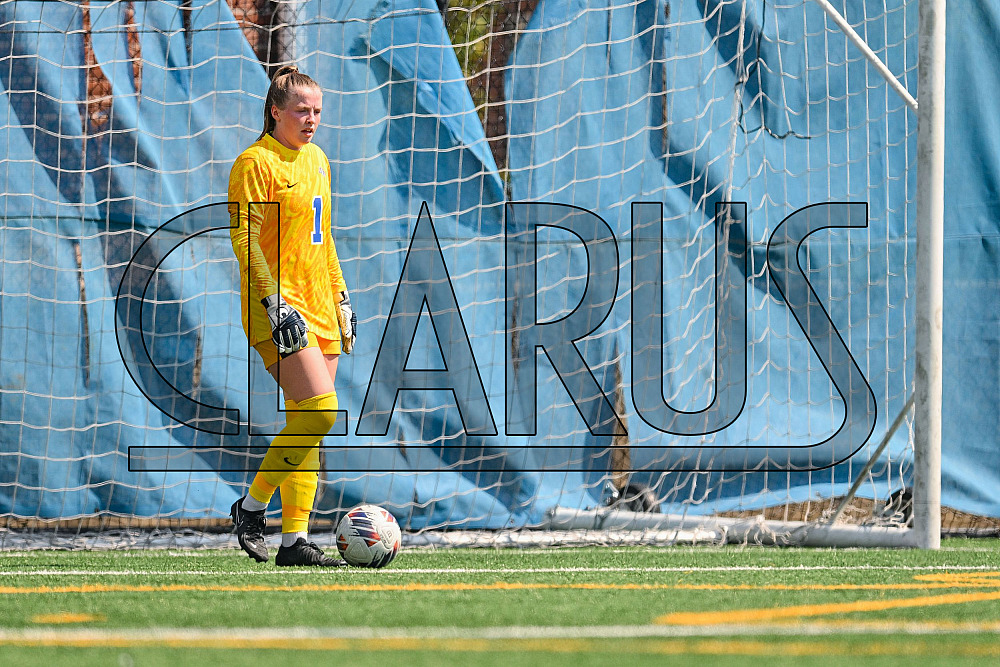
column 280, row 215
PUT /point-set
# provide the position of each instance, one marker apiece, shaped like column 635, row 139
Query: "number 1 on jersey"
column 317, row 235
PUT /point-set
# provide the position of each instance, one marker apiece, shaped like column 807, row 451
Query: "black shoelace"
column 253, row 520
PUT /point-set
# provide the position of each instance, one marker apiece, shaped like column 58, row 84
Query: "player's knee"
column 319, row 413
column 321, row 421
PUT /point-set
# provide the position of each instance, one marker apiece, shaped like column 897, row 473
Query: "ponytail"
column 284, row 80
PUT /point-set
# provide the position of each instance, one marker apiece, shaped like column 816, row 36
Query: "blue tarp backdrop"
column 591, row 87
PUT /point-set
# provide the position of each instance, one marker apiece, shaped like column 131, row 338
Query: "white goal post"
column 930, row 275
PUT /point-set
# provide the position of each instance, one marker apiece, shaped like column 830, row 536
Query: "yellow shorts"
column 268, row 351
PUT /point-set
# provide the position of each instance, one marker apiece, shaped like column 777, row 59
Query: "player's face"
column 296, row 124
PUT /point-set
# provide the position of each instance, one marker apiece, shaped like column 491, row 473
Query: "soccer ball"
column 368, row 536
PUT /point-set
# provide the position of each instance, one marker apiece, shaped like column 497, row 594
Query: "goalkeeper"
column 296, row 310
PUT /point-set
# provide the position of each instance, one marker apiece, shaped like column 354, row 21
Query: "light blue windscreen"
column 683, row 105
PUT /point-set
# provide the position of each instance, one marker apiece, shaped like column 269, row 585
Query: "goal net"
column 593, row 304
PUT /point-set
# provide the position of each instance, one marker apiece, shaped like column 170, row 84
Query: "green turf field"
column 593, row 606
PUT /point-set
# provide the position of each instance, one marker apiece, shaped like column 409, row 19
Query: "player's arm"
column 248, row 187
column 346, row 318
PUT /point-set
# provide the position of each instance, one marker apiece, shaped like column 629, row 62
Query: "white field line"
column 513, row 570
column 257, row 635
column 141, row 553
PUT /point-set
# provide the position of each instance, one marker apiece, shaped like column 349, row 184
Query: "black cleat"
column 305, row 553
column 250, row 531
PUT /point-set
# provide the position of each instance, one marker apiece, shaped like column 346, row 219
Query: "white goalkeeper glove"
column 288, row 328
column 348, row 323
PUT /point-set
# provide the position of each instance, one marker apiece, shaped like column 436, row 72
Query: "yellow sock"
column 298, row 491
column 292, row 445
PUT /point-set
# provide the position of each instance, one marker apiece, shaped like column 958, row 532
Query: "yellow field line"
column 66, row 617
column 925, row 582
column 798, row 611
column 734, row 647
column 417, row 587
column 932, row 580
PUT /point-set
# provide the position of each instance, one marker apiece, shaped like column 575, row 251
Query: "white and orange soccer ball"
column 368, row 536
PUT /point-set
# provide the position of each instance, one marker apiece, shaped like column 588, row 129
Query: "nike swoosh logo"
column 292, row 185
column 289, row 462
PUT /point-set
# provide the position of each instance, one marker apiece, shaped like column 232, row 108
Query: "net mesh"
column 120, row 116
